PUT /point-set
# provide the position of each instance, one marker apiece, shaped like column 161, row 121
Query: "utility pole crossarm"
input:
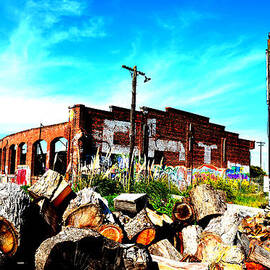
column 132, row 69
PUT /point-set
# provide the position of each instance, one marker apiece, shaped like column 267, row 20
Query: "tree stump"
column 78, row 249
column 207, row 202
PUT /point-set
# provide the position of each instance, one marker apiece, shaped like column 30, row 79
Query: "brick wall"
column 168, row 136
column 160, row 134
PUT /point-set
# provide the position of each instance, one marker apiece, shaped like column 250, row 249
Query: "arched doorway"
column 58, row 155
column 39, row 157
column 4, row 160
column 12, row 159
column 22, row 153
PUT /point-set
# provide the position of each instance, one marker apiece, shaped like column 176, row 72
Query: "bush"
column 106, row 186
column 256, row 171
column 159, row 193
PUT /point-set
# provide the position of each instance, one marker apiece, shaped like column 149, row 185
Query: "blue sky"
column 206, row 57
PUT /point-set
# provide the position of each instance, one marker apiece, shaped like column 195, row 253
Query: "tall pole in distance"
column 268, row 104
column 261, row 144
column 132, row 115
column 132, row 121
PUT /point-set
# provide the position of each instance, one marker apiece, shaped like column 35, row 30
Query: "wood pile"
column 58, row 229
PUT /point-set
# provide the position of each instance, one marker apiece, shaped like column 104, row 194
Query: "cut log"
column 212, row 250
column 207, row 202
column 177, row 241
column 243, row 242
column 85, row 216
column 167, row 219
column 167, row 264
column 76, row 248
column 52, row 186
column 254, row 266
column 259, row 253
column 165, row 249
column 141, row 227
column 146, row 236
column 88, row 200
column 15, row 210
column 21, row 226
column 130, row 202
column 191, row 236
column 183, row 212
column 111, row 231
column 226, row 226
column 50, row 215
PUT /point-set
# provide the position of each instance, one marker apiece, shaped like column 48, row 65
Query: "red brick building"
column 180, row 138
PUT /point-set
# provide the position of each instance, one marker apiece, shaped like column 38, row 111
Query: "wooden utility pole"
column 268, row 103
column 132, row 114
column 261, row 144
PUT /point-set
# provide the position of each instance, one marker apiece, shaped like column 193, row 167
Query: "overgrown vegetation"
column 256, row 171
column 112, row 180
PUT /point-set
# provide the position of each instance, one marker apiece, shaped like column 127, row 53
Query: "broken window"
column 159, row 157
column 12, row 159
column 39, row 157
column 58, row 155
column 23, row 151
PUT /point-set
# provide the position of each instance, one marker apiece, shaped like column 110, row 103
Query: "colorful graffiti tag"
column 177, row 175
column 237, row 173
column 206, row 171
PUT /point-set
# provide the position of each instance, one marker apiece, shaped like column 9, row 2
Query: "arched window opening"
column 58, row 159
column 40, row 153
column 4, row 160
column 12, row 159
column 23, row 151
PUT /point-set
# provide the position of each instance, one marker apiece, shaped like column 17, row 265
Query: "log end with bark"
column 85, row 216
column 111, row 231
column 183, row 212
column 76, row 248
column 207, row 202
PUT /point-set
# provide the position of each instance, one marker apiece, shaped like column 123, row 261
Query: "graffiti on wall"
column 23, row 175
column 112, row 126
column 207, row 151
column 206, row 171
column 237, row 171
column 178, row 175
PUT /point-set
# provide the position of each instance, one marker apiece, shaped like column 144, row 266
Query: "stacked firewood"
column 59, row 229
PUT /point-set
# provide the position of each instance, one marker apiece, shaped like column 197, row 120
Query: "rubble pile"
column 60, row 229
